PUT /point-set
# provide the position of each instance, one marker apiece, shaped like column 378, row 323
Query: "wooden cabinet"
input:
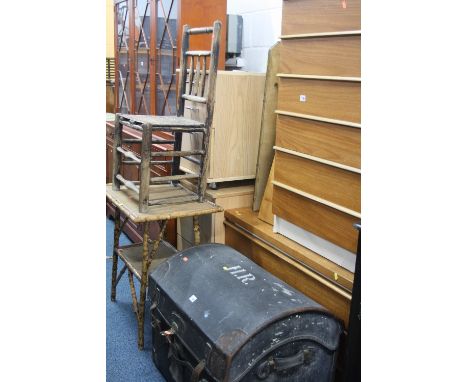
column 145, row 56
column 211, row 226
column 201, row 13
column 236, row 127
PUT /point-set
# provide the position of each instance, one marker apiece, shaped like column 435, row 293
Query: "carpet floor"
column 124, row 362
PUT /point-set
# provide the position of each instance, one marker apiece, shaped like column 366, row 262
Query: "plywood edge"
column 317, row 159
column 266, row 206
column 317, row 118
column 318, row 200
column 268, row 126
column 320, row 34
column 315, row 77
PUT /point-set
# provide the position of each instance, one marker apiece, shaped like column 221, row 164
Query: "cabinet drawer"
column 333, row 184
column 336, row 143
column 324, row 56
column 316, row 16
column 326, row 222
column 340, row 100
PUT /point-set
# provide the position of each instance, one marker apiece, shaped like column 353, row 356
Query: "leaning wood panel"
column 330, row 99
column 336, row 185
column 325, row 56
column 315, row 217
column 268, row 126
column 332, row 142
column 314, row 16
column 294, row 274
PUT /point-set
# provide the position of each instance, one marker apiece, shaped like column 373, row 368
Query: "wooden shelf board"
column 320, row 34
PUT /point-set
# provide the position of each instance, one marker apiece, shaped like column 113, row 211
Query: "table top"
column 127, row 202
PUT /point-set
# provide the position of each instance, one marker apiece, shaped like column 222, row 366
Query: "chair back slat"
column 201, row 88
column 194, row 74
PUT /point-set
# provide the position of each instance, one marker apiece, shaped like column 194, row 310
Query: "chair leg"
column 145, row 169
column 117, row 156
column 115, row 258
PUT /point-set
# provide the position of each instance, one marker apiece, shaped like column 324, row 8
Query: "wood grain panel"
column 332, row 142
column 330, row 99
column 288, row 270
column 203, row 13
column 325, row 56
column 314, row 16
column 324, row 221
column 327, row 182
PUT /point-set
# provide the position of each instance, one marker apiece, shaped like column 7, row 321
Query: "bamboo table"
column 138, row 258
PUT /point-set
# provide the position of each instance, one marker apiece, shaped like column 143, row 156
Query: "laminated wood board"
column 268, row 129
column 323, row 56
column 315, row 276
column 339, row 100
column 315, row 16
column 313, row 216
column 336, row 143
column 333, row 184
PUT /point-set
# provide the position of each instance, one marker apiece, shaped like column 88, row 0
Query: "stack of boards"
column 317, row 173
column 316, row 178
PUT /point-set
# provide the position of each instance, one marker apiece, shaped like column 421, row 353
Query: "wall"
column 109, row 28
column 262, row 28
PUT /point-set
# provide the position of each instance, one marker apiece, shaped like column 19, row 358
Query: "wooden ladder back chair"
column 197, row 84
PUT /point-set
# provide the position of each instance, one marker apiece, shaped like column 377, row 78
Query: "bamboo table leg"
column 146, row 262
column 144, row 275
column 196, row 230
column 114, row 252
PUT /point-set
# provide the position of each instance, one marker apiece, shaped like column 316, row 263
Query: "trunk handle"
column 281, row 364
